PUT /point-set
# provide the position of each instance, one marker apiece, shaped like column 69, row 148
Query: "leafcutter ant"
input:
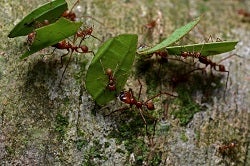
column 228, row 149
column 84, row 33
column 66, row 45
column 244, row 13
column 31, row 36
column 69, row 14
column 207, row 62
column 111, row 85
column 128, row 97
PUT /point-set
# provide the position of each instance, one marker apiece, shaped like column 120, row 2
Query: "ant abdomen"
column 84, row 48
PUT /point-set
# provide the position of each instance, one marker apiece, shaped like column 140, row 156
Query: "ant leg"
column 121, row 109
column 161, row 93
column 66, row 65
column 140, row 110
column 140, row 89
column 61, row 58
column 229, row 57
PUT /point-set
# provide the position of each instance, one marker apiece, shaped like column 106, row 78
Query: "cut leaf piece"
column 52, row 34
column 118, row 54
column 50, row 11
column 206, row 49
column 174, row 37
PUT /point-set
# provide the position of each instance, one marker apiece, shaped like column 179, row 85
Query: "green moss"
column 106, row 144
column 10, row 150
column 156, row 159
column 131, row 132
column 82, row 72
column 184, row 138
column 80, row 143
column 96, row 151
column 120, row 151
column 197, row 135
column 186, row 107
column 61, row 125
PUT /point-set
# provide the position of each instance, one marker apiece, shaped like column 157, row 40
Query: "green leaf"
column 175, row 36
column 52, row 34
column 50, row 11
column 118, row 54
column 206, row 49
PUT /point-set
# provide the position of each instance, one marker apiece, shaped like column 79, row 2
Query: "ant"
column 151, row 25
column 69, row 47
column 244, row 13
column 66, row 45
column 69, row 14
column 31, row 36
column 228, row 149
column 111, row 86
column 128, row 97
column 204, row 60
column 84, row 33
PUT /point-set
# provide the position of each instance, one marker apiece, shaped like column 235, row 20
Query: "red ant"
column 31, row 36
column 64, row 45
column 150, row 25
column 69, row 47
column 244, row 13
column 129, row 98
column 228, row 149
column 111, row 86
column 69, row 14
column 204, row 60
column 84, row 33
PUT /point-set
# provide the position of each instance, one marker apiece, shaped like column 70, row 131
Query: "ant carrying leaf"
column 50, row 11
column 117, row 54
column 52, row 34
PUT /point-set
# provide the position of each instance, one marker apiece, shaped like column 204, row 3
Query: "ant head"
column 198, row 54
column 90, row 30
column 233, row 144
column 162, row 54
column 109, row 71
column 184, row 54
column 46, row 22
column 31, row 38
column 69, row 15
column 125, row 97
column 150, row 105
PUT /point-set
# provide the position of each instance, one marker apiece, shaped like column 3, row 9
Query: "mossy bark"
column 46, row 123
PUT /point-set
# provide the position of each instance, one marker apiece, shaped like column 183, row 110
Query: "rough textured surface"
column 44, row 123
